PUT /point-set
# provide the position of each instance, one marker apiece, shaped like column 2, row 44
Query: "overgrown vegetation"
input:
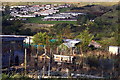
column 19, row 77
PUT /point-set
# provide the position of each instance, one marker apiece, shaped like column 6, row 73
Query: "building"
column 66, row 16
column 114, row 49
column 58, row 17
column 71, row 43
column 63, row 58
column 69, row 46
column 94, row 44
column 12, row 50
column 46, row 12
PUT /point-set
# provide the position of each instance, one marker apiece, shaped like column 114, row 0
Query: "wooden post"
column 73, row 51
column 49, row 63
column 25, row 60
column 10, row 58
column 49, row 70
column 81, row 49
column 43, row 71
column 67, row 71
column 57, row 49
column 45, row 49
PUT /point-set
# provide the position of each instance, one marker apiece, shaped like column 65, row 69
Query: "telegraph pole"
column 25, row 60
column 9, row 63
column 44, row 62
column 49, row 64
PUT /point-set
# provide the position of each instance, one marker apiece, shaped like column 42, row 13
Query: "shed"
column 114, row 49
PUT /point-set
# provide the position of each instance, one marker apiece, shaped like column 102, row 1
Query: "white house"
column 114, row 49
column 63, row 58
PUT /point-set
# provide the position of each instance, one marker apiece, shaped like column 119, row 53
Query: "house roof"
column 71, row 43
column 12, row 37
column 95, row 44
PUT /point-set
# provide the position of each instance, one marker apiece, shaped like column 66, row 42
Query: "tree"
column 66, row 32
column 11, row 27
column 26, row 31
column 40, row 38
column 86, row 37
column 82, row 19
column 63, row 29
column 55, row 42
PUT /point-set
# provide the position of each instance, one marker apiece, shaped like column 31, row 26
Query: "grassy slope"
column 113, row 14
column 76, row 3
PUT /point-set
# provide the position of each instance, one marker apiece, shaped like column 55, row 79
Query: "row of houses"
column 46, row 12
column 67, row 16
column 49, row 12
column 17, row 19
column 34, row 14
column 58, row 16
column 39, row 10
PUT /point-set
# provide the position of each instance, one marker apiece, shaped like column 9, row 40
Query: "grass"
column 20, row 77
column 53, row 22
column 34, row 19
column 95, row 3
